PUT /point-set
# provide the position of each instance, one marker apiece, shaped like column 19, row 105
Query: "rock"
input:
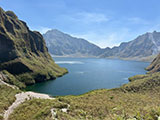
column 155, row 65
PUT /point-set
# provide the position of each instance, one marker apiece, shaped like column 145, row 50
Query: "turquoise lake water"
column 86, row 74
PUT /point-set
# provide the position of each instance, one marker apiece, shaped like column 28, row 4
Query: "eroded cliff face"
column 23, row 52
column 16, row 37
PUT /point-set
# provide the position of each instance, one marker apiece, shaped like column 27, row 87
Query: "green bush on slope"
column 7, row 97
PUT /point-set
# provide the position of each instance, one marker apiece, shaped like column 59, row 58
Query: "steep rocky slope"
column 62, row 44
column 23, row 53
column 155, row 65
column 145, row 47
column 141, row 48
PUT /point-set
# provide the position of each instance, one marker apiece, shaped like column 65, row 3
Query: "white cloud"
column 87, row 17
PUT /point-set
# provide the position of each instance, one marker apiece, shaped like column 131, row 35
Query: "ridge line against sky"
column 104, row 23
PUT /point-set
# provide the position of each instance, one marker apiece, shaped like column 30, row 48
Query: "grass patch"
column 138, row 99
column 114, row 104
column 12, row 79
column 143, row 82
column 7, row 97
column 36, row 109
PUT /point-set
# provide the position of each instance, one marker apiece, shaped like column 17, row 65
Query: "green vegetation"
column 7, row 97
column 114, row 104
column 12, row 79
column 38, row 70
column 139, row 99
column 155, row 65
column 24, row 55
column 27, row 61
column 95, row 105
column 36, row 109
column 143, row 82
column 11, row 14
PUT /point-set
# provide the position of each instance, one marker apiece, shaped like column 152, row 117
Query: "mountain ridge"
column 144, row 48
column 62, row 44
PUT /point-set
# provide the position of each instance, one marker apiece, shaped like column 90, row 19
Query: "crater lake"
column 86, row 74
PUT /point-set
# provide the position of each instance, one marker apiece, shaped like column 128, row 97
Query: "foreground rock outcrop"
column 155, row 65
column 23, row 53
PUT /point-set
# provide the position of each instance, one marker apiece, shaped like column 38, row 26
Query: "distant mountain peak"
column 54, row 30
column 63, row 44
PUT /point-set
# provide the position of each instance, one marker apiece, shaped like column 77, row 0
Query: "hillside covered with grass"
column 24, row 56
column 137, row 100
column 114, row 104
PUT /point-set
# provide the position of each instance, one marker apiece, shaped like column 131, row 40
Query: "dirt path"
column 20, row 98
column 3, row 83
column 2, row 77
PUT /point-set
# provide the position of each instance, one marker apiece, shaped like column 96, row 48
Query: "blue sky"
column 103, row 22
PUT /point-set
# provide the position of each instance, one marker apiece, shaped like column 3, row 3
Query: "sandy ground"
column 21, row 97
column 2, row 82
